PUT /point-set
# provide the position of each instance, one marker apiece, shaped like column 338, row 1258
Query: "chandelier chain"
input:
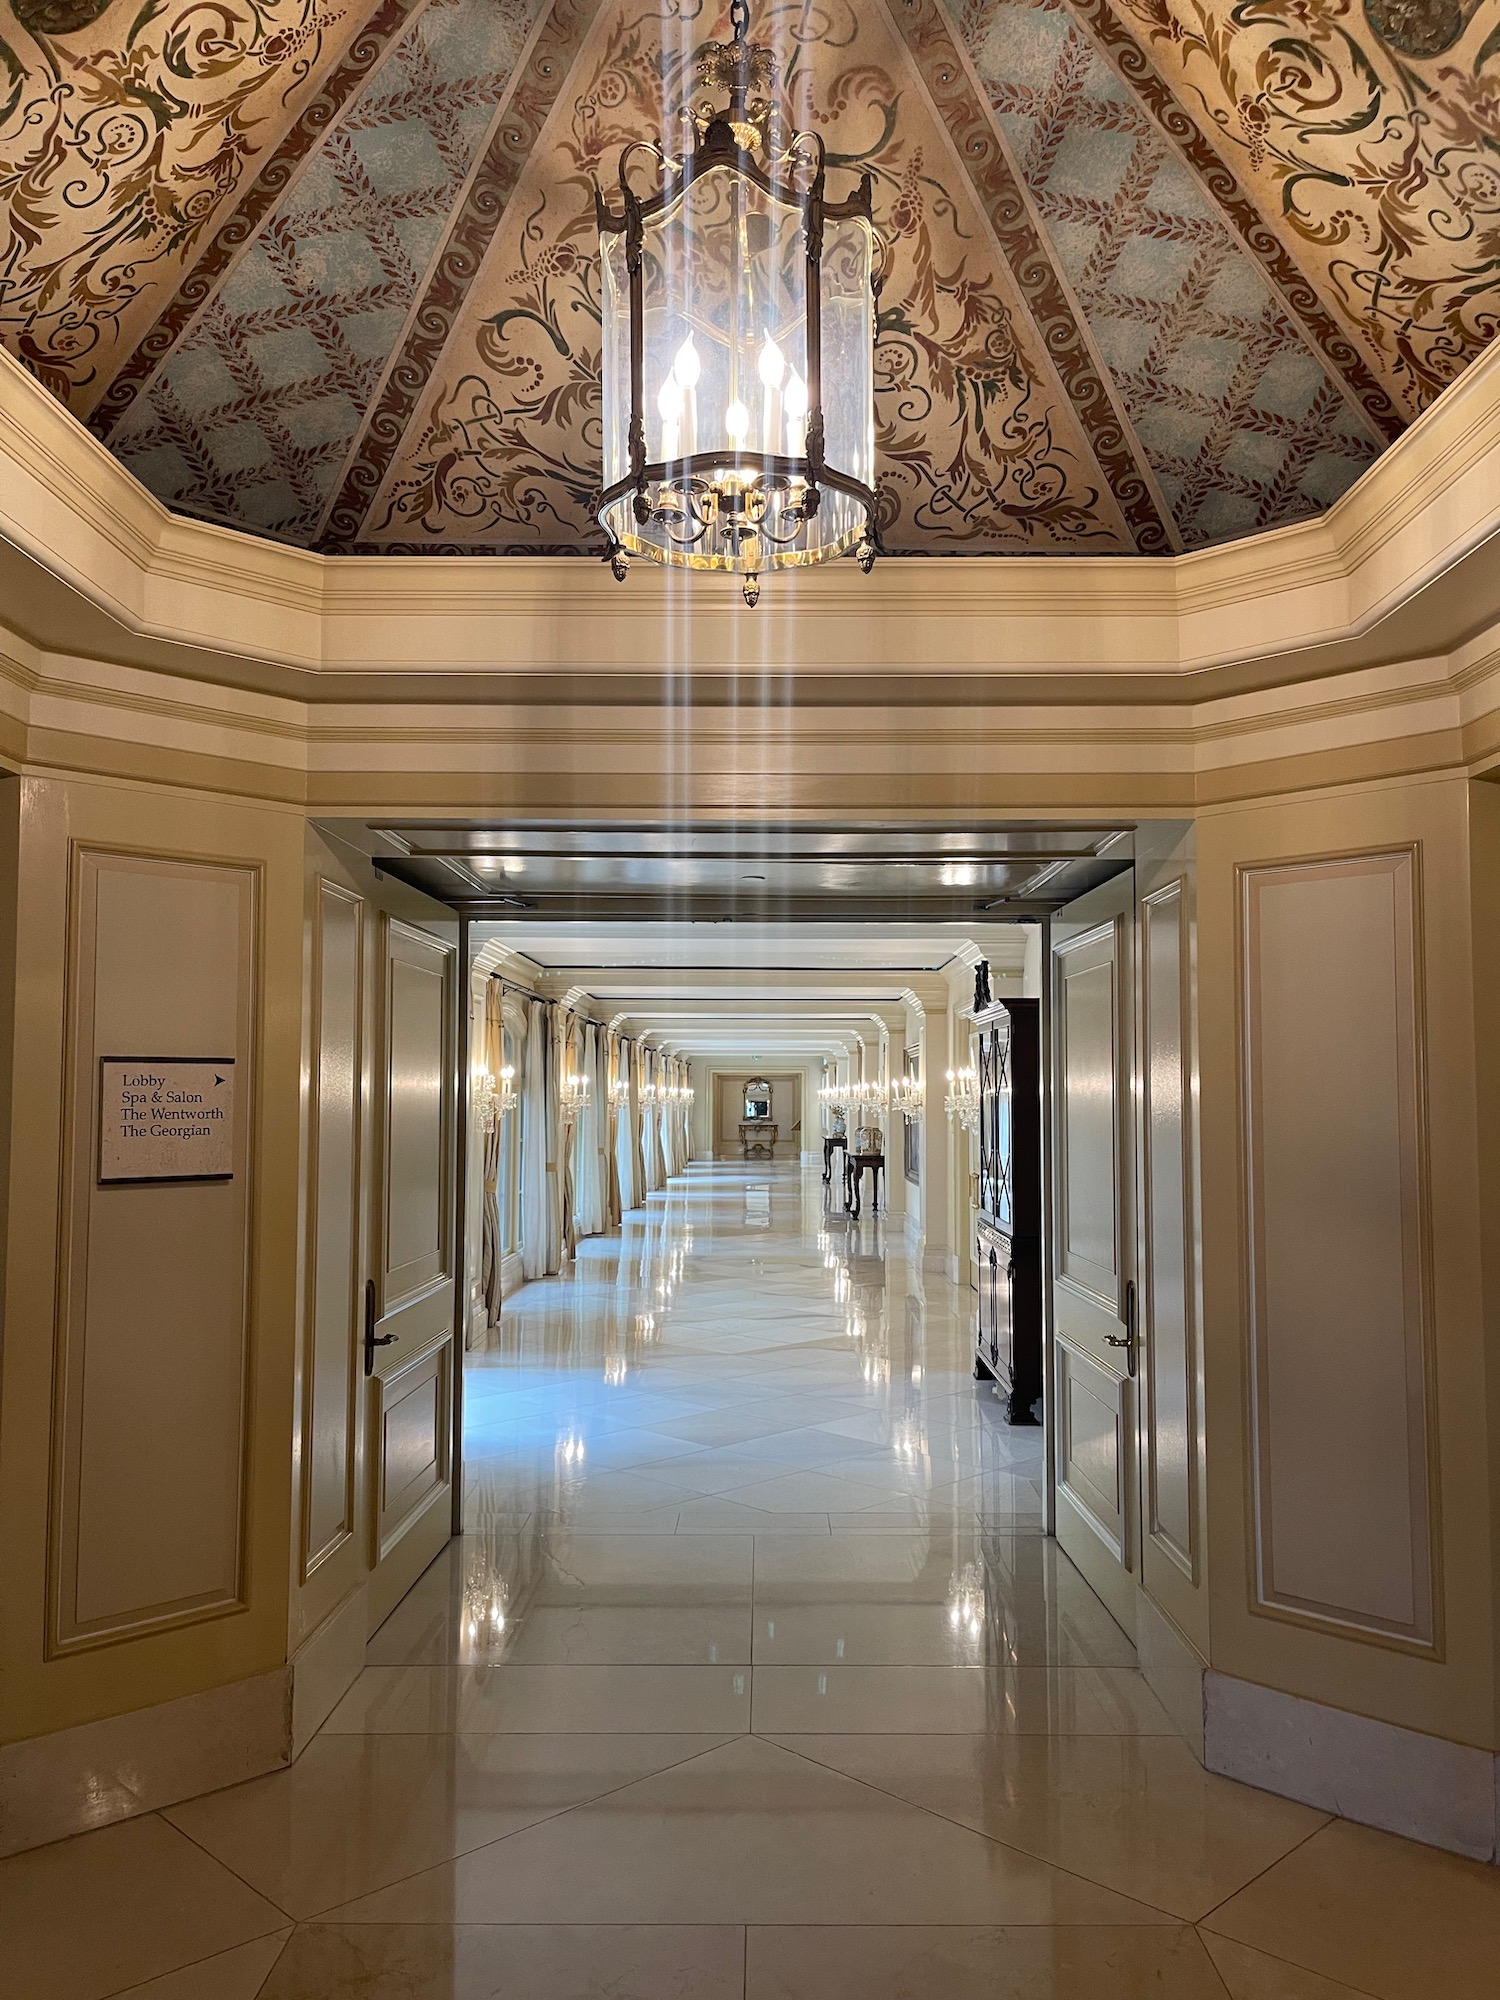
column 739, row 19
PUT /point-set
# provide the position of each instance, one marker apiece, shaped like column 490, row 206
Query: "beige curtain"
column 494, row 1062
column 566, row 1153
column 599, row 1163
column 610, row 1063
column 588, row 1148
column 627, row 1134
column 541, row 1203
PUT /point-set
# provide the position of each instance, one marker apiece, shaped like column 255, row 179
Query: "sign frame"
column 105, row 1180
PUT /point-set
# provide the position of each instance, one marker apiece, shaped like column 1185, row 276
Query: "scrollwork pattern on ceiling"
column 57, row 17
column 974, row 447
column 115, row 157
column 1372, row 136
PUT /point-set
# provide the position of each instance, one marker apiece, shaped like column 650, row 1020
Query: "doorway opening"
column 722, row 1033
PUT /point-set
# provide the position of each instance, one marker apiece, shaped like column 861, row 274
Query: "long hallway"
column 753, row 1675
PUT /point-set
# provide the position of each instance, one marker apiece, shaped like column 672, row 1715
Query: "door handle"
column 372, row 1338
column 1127, row 1340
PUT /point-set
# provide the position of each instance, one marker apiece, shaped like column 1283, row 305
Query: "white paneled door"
column 1096, row 1329
column 411, row 1297
column 380, row 1302
column 1127, row 1385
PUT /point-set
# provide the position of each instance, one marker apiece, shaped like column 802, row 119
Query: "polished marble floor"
column 753, row 1676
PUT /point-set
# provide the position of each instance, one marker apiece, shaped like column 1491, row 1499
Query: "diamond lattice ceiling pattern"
column 1164, row 272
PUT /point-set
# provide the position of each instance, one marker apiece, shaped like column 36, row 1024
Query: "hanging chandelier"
column 738, row 343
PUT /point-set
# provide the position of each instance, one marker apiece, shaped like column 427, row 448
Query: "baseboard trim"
column 1171, row 1669
column 76, row 1779
column 1444, row 1794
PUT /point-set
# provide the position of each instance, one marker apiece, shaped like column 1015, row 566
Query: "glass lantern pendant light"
column 739, row 344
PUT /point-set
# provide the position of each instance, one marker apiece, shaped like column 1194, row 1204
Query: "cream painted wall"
column 1352, row 1435
column 178, row 707
column 711, row 1136
column 213, row 948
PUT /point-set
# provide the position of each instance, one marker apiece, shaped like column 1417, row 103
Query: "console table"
column 831, row 1146
column 757, row 1138
column 856, row 1166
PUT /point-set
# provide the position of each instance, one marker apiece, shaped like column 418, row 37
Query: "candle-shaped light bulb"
column 736, row 422
column 669, row 407
column 772, row 369
column 794, row 402
column 687, row 367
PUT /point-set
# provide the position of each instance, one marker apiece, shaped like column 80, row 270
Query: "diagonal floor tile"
column 1393, row 1919
column 1138, row 1814
column 1254, row 1975
column 239, row 1974
column 357, row 1812
column 90, row 1916
column 748, row 1833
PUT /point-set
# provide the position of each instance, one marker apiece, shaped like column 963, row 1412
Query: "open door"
column 380, row 1336
column 1095, row 1400
column 410, row 1329
column 1128, row 1383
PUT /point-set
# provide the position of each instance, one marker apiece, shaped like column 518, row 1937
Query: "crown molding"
column 1272, row 608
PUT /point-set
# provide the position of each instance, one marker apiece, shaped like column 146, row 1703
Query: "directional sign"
column 162, row 1118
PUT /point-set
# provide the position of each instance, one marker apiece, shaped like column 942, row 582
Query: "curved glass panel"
column 725, row 380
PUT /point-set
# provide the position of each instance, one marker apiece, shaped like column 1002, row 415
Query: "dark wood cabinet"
column 1009, row 1334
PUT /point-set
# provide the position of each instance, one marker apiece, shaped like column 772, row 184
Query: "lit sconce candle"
column 688, row 368
column 772, row 375
column 794, row 403
column 737, row 423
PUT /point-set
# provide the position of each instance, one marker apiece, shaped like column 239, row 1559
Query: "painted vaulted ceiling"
column 1165, row 271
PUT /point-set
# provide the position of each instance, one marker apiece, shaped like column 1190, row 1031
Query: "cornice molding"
column 1275, row 609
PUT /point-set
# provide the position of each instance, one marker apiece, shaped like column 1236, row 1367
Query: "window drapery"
column 627, row 1140
column 541, row 1227
column 490, row 1244
column 588, row 1147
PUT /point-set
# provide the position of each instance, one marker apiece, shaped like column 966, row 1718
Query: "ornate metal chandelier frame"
column 770, row 496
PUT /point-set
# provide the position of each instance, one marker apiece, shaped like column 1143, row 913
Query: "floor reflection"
column 743, row 1356
column 752, row 1678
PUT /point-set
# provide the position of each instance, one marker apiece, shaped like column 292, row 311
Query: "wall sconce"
column 962, row 1102
column 494, row 1097
column 574, row 1096
column 908, row 1097
column 619, row 1095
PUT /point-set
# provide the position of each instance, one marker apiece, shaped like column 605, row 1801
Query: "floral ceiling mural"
column 1163, row 272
